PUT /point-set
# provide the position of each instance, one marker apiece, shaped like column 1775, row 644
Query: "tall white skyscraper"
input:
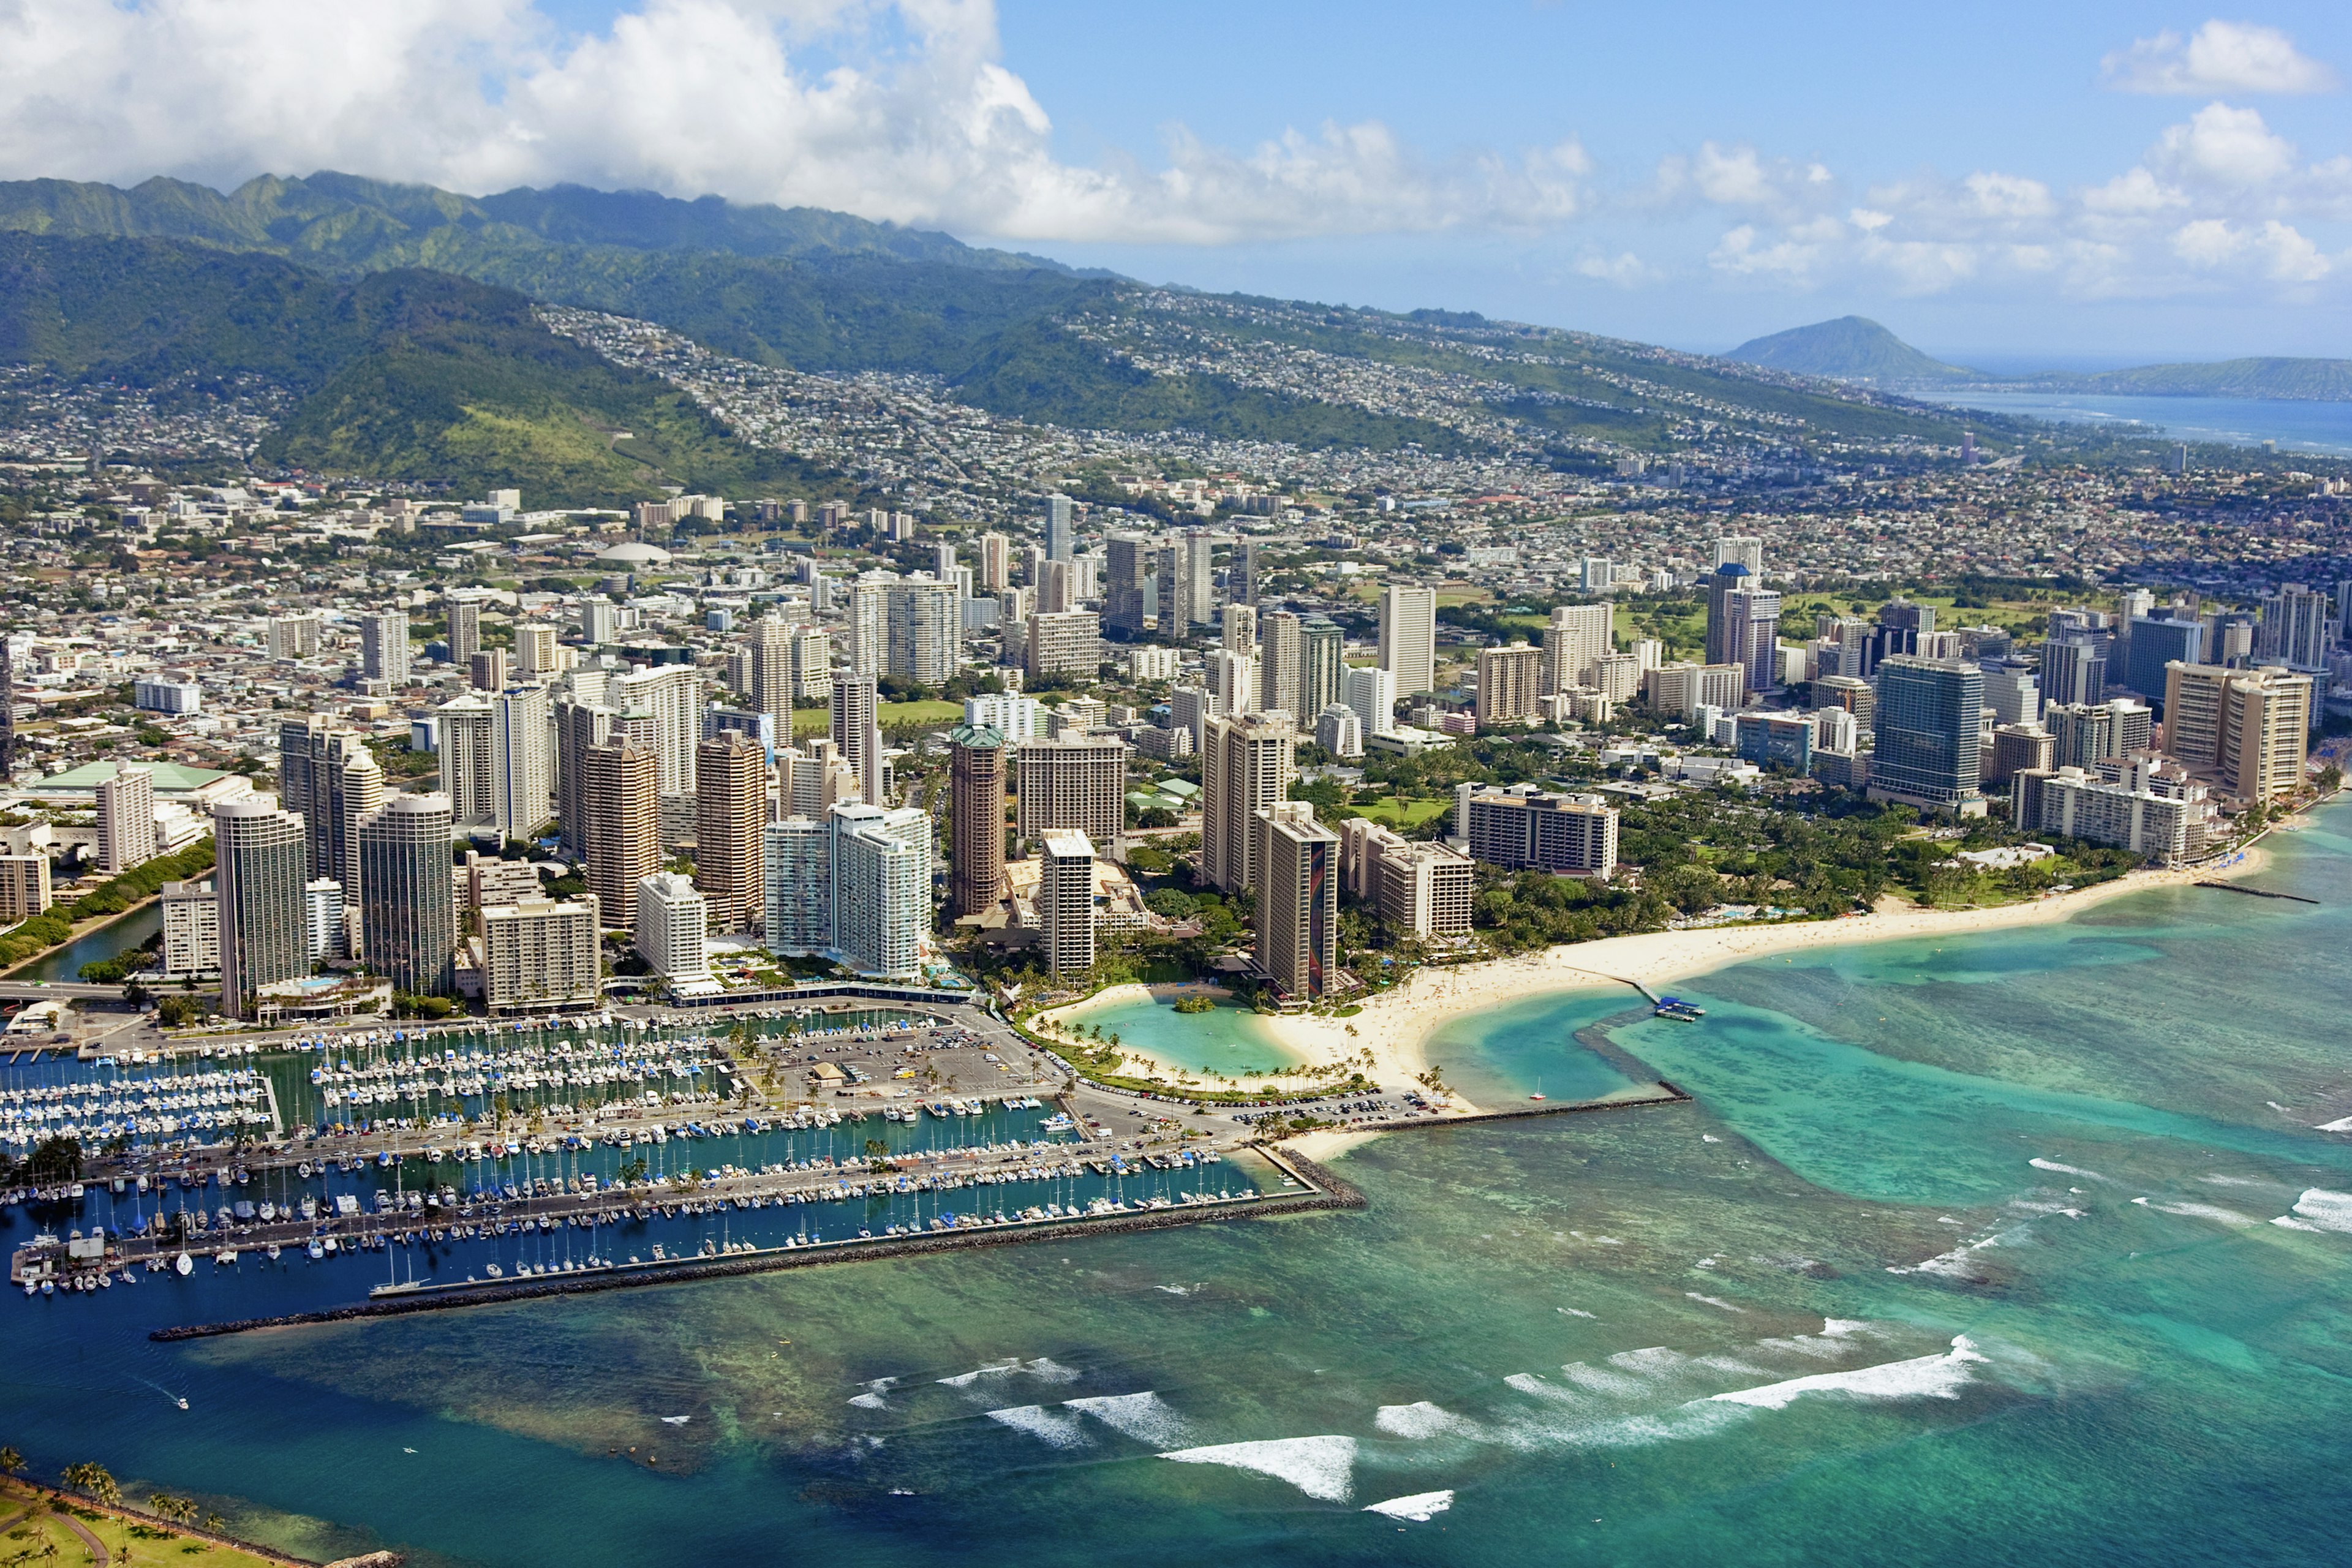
column 521, row 769
column 466, row 751
column 126, row 818
column 1372, row 693
column 661, row 706
column 869, row 625
column 1409, row 637
column 881, row 887
column 1579, row 634
column 1282, row 666
column 926, row 629
column 1741, row 550
column 261, row 866
column 408, row 917
column 996, row 563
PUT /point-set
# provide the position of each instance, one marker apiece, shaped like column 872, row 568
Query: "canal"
column 64, row 963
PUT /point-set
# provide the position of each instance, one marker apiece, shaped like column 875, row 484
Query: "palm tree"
column 12, row 1463
column 93, row 1478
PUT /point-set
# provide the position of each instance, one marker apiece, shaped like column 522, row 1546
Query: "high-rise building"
column 1507, row 680
column 2017, row 748
column 1372, row 692
column 326, row 776
column 1282, row 659
column 294, row 636
column 1247, row 763
column 465, row 752
column 858, row 732
column 796, row 867
column 1127, row 587
column 1744, row 551
column 1752, row 635
column 1237, row 628
column 578, row 726
column 731, row 808
column 1017, row 718
column 541, row 954
column 190, row 928
column 1578, row 636
column 2011, row 692
column 486, row 670
column 1722, row 646
column 126, row 818
column 881, row 887
column 2074, row 670
column 535, row 657
column 1322, row 666
column 1247, row 560
column 262, row 862
column 661, row 706
column 2297, row 629
column 1061, row 536
column 1077, row 782
column 465, row 619
column 2147, row 805
column 1187, row 595
column 1927, row 729
column 2247, row 729
column 1409, row 637
column 408, row 912
column 1068, row 643
column 673, row 929
column 976, row 770
column 384, row 646
column 1681, row 689
column 996, row 563
column 1057, row 588
column 1066, row 900
column 2156, row 644
column 323, row 919
column 24, row 886
column 869, row 626
column 621, row 823
column 2085, row 734
column 1526, row 828
column 926, row 629
column 521, row 769
column 1298, row 861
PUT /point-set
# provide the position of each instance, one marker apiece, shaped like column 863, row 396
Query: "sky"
column 2000, row 184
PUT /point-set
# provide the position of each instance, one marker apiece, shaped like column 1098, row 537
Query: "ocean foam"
column 1420, row 1507
column 872, row 1399
column 993, row 1369
column 1051, row 1428
column 1714, row 1301
column 1529, row 1382
column 2040, row 1164
column 1922, row 1377
column 1597, row 1380
column 1046, row 1369
column 2213, row 1212
column 1423, row 1419
column 1322, row 1467
column 1144, row 1417
column 1576, row 1312
column 2325, row 1209
column 2341, row 1124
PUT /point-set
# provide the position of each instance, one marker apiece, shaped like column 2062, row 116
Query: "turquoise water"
column 2297, row 426
column 120, row 936
column 1499, row 1057
column 1226, row 1039
column 1892, row 1147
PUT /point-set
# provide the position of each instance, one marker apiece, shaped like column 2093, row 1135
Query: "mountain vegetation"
column 1852, row 348
column 402, row 374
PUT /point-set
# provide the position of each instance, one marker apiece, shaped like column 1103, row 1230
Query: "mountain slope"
column 402, row 374
column 1850, row 348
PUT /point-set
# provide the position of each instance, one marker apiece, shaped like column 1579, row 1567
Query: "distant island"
column 1856, row 348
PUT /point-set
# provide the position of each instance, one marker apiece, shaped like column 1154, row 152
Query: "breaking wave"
column 1922, row 1377
column 1420, row 1507
column 1051, row 1428
column 1144, row 1417
column 1323, row 1467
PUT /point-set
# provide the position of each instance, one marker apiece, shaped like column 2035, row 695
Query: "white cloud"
column 2274, row 250
column 1624, row 270
column 2134, row 193
column 2219, row 145
column 2220, row 56
column 2009, row 196
column 693, row 97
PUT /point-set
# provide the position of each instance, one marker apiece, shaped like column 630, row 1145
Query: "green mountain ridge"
column 404, row 374
column 829, row 293
column 1854, row 348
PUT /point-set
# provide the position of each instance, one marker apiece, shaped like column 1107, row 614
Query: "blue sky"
column 2090, row 183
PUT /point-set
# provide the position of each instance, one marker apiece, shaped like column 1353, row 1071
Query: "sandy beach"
column 1396, row 1025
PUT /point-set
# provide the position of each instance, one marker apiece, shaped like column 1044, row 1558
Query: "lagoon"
column 1226, row 1039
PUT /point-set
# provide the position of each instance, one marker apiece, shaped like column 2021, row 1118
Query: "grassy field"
column 44, row 1535
column 817, row 721
column 1395, row 811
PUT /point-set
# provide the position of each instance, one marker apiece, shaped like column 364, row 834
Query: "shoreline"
column 1396, row 1025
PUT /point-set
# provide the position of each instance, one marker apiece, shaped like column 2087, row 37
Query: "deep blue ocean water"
column 2322, row 428
column 1980, row 1236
